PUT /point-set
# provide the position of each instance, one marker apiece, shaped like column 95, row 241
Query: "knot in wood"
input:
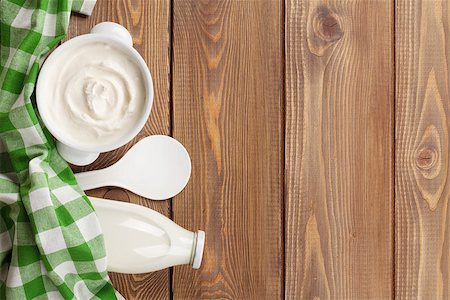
column 326, row 25
column 426, row 158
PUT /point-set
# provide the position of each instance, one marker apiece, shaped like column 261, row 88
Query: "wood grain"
column 339, row 143
column 148, row 23
column 422, row 150
column 228, row 112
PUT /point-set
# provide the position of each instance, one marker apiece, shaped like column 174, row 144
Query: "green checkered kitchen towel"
column 51, row 245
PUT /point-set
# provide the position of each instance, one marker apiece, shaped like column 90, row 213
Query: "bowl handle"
column 74, row 156
column 113, row 30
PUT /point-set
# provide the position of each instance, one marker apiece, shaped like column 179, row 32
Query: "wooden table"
column 319, row 137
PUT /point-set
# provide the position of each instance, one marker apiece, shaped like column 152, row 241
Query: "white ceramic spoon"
column 158, row 167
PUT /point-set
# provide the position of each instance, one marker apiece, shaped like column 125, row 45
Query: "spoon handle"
column 94, row 179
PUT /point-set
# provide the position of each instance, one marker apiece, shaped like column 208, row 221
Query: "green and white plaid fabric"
column 51, row 245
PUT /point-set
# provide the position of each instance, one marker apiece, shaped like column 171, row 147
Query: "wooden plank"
column 148, row 22
column 228, row 112
column 422, row 150
column 339, row 139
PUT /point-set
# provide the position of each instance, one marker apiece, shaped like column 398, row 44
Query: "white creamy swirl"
column 97, row 93
column 107, row 94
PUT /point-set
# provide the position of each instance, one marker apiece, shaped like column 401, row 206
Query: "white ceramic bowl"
column 77, row 153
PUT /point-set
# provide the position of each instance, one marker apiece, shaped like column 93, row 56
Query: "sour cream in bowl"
column 94, row 93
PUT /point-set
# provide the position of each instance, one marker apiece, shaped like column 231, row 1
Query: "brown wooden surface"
column 289, row 109
column 148, row 23
column 422, row 158
column 339, row 138
column 228, row 112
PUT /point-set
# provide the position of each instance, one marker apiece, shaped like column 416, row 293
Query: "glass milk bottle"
column 139, row 239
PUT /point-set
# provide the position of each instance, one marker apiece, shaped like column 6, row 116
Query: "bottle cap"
column 198, row 254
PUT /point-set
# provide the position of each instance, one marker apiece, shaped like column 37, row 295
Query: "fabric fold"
column 51, row 244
